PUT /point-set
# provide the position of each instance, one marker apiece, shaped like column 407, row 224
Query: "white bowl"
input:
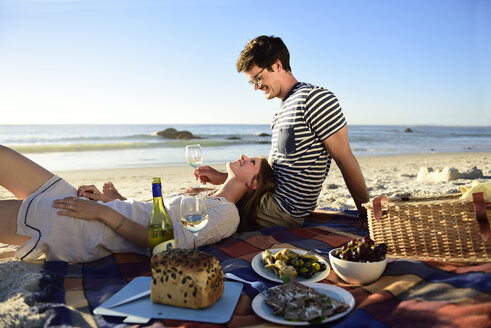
column 357, row 272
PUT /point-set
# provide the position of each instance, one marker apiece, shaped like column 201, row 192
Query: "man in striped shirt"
column 307, row 132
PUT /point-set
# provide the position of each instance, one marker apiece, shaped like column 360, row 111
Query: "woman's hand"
column 80, row 208
column 207, row 174
column 91, row 192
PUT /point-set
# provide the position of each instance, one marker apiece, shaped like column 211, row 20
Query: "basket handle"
column 377, row 206
column 481, row 216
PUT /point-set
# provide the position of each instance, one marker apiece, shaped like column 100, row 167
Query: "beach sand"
column 393, row 176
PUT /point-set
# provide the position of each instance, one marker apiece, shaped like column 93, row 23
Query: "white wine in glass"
column 194, row 215
column 194, row 156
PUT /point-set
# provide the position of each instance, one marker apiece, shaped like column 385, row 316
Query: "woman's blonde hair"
column 249, row 204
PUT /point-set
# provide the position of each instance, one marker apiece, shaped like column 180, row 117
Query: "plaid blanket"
column 410, row 292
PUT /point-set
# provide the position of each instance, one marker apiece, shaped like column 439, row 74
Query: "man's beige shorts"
column 272, row 215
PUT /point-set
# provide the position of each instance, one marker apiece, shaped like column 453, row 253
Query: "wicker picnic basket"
column 443, row 228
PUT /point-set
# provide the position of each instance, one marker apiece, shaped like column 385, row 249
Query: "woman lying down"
column 49, row 219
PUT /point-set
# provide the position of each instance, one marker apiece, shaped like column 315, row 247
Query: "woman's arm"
column 91, row 210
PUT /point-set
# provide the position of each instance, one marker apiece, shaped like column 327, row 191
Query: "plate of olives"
column 283, row 264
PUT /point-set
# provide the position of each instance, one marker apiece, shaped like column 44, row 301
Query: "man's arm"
column 338, row 146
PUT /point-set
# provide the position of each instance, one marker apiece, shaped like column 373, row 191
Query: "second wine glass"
column 194, row 215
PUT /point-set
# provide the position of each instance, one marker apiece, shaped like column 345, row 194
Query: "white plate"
column 266, row 312
column 258, row 267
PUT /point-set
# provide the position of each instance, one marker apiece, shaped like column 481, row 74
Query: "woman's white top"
column 64, row 238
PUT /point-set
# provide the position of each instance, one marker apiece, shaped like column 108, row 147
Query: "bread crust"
column 186, row 278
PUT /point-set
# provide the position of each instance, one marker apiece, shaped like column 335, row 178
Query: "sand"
column 394, row 176
column 17, row 281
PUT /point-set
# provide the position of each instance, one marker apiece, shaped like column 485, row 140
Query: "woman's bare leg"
column 20, row 175
column 8, row 222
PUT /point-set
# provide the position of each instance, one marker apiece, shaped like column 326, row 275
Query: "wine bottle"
column 160, row 228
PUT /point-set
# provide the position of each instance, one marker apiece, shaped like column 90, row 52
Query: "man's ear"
column 277, row 65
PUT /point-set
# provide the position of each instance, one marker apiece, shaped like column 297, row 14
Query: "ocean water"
column 76, row 147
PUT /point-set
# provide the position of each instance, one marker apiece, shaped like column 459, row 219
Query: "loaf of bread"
column 186, row 278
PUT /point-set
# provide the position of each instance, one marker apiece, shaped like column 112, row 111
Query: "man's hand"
column 207, row 174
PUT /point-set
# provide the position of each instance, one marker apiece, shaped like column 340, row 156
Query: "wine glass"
column 194, row 214
column 194, row 156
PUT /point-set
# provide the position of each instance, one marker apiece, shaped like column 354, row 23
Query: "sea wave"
column 80, row 147
column 63, row 148
column 131, row 138
column 58, row 139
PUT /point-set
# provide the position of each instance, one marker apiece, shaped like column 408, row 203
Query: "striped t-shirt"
column 307, row 116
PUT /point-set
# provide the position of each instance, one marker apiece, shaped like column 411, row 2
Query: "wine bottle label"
column 166, row 245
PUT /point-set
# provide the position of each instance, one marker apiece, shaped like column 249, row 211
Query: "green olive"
column 316, row 266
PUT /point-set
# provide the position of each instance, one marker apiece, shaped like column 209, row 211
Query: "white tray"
column 143, row 310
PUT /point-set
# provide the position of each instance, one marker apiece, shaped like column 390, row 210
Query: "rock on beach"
column 172, row 133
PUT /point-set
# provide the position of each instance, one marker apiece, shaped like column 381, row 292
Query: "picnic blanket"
column 410, row 292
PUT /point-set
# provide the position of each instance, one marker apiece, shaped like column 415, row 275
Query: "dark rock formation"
column 172, row 133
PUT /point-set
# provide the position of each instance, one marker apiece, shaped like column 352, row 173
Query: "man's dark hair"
column 264, row 51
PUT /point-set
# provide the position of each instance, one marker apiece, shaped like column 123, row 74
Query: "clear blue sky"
column 389, row 62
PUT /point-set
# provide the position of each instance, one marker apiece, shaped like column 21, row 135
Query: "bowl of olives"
column 359, row 261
